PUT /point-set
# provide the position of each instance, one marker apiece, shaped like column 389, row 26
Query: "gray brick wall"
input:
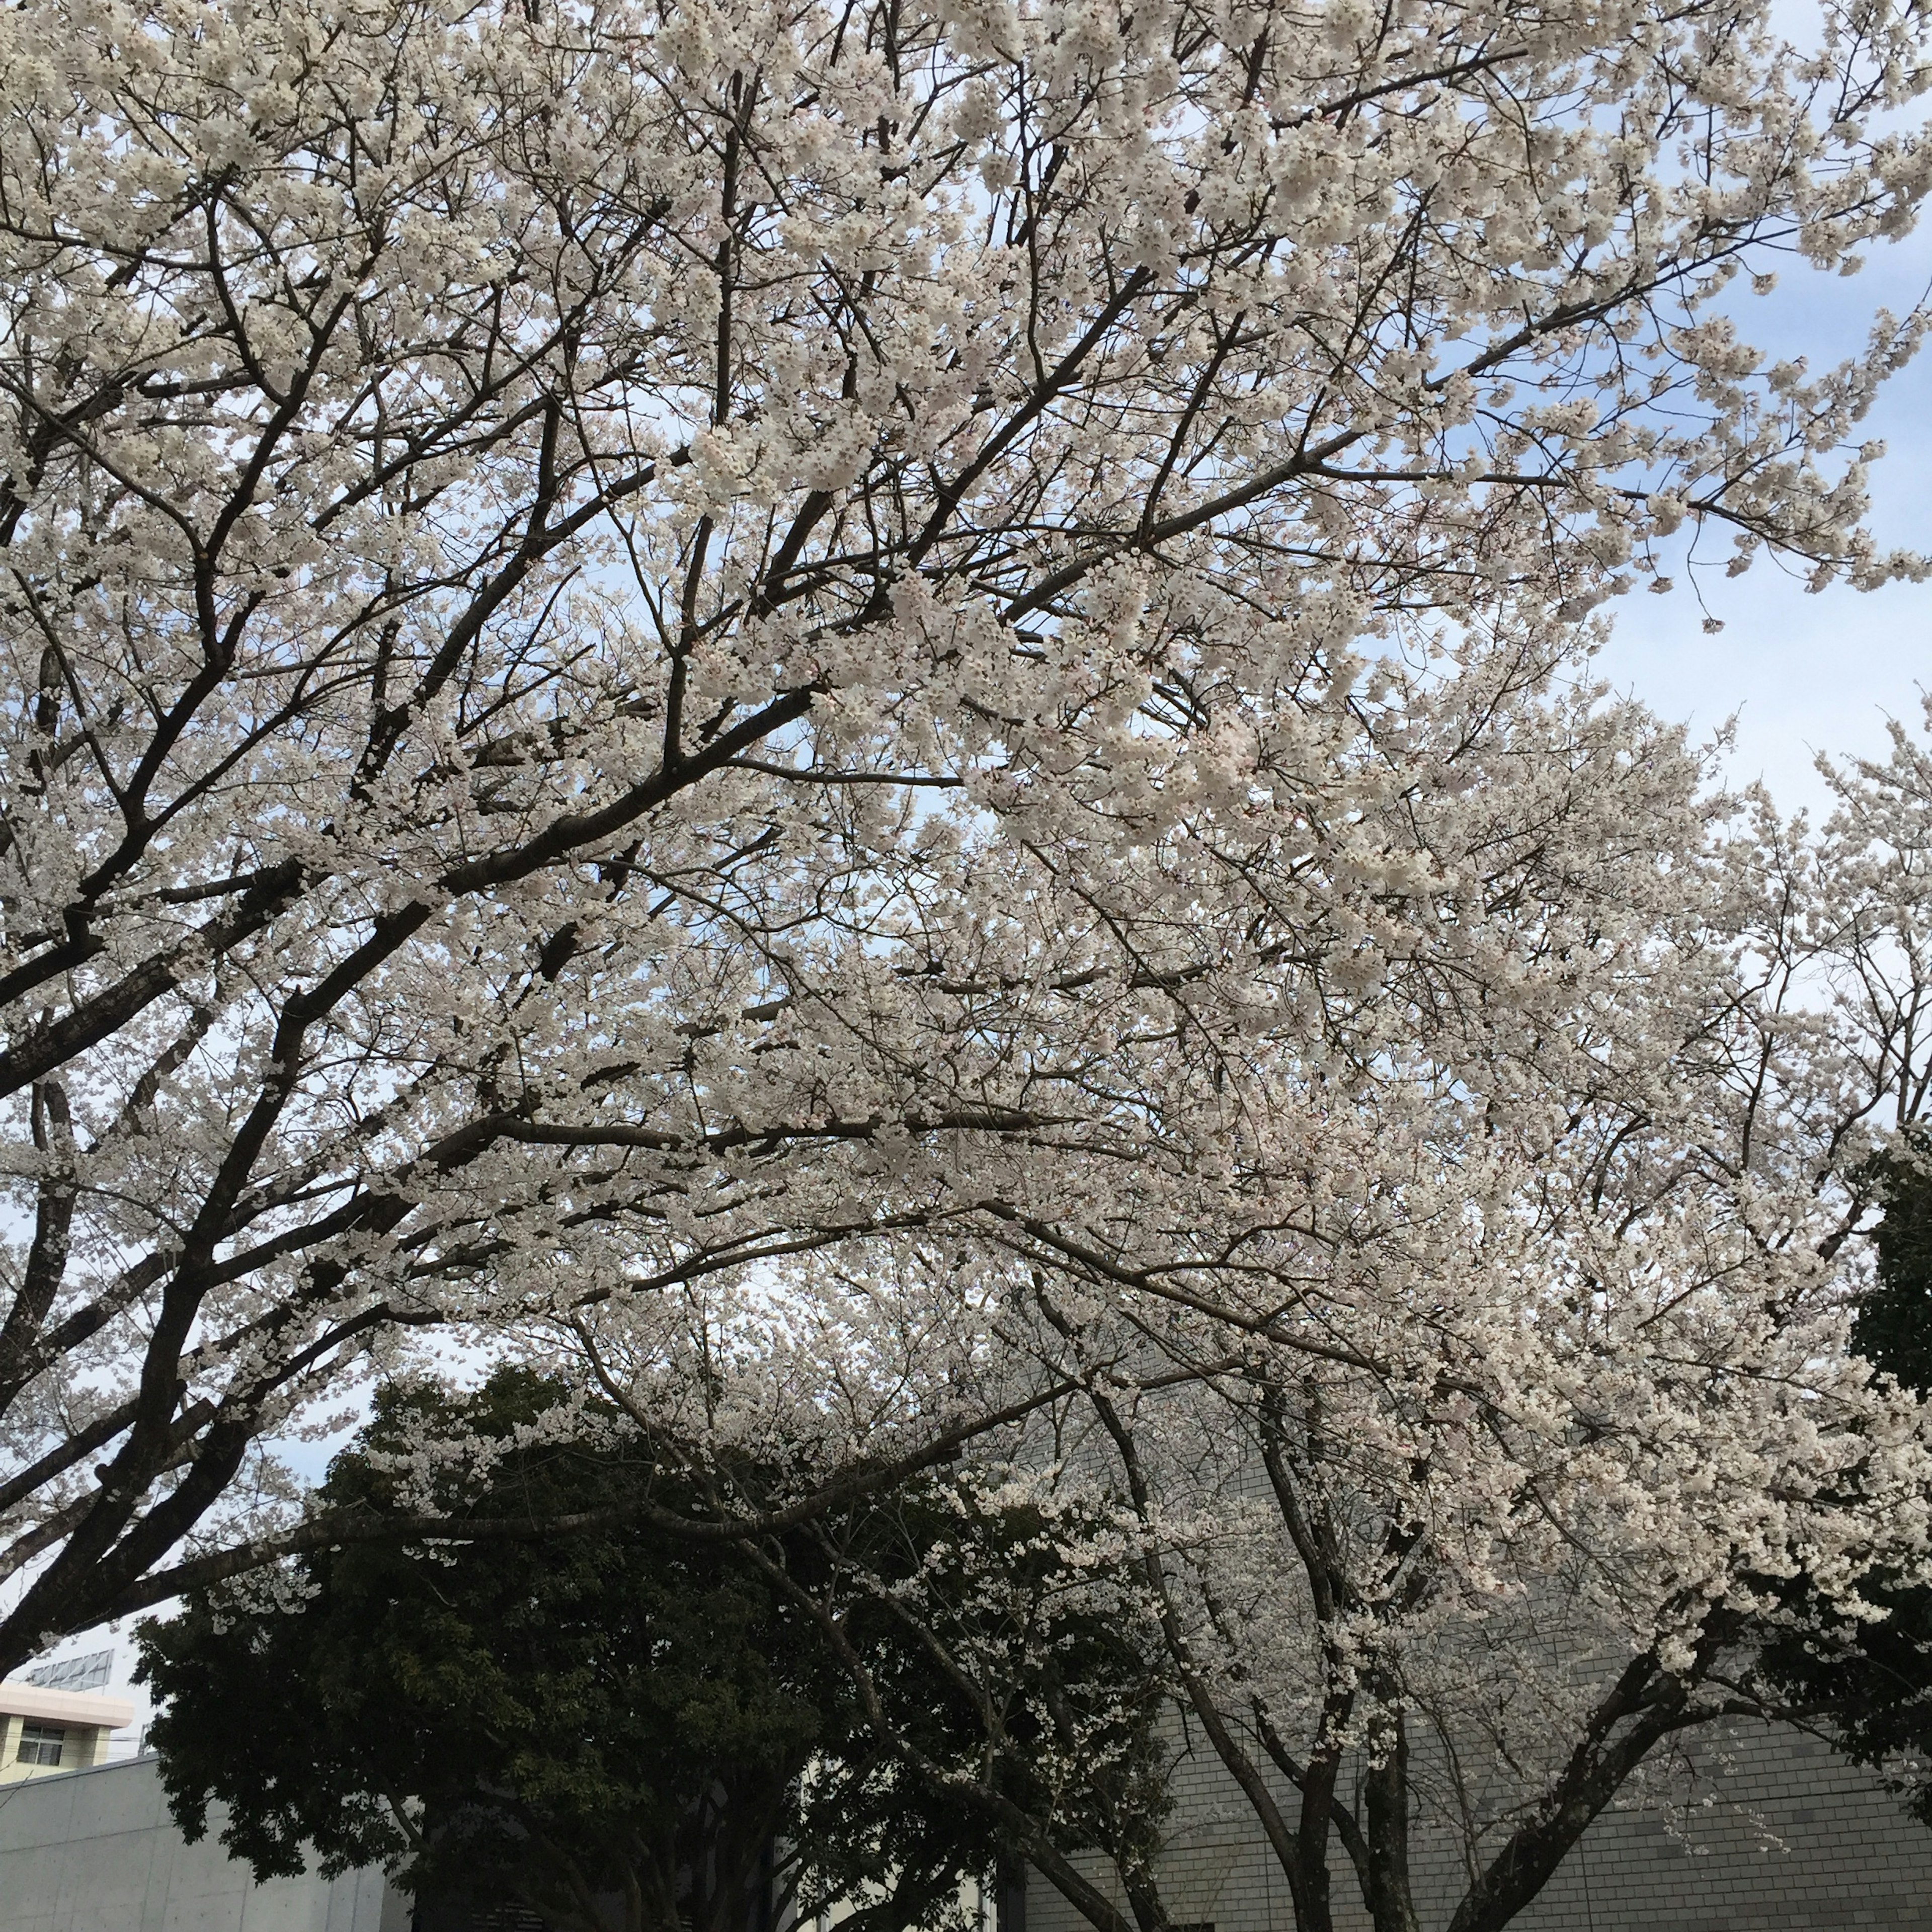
column 1767, row 1832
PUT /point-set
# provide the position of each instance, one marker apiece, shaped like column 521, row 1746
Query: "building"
column 95, row 1851
column 1775, row 1833
column 1790, row 1839
column 44, row 1730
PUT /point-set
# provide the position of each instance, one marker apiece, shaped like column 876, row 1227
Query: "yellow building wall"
column 85, row 1747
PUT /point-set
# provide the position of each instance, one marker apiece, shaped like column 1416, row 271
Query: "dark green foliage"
column 1894, row 1325
column 619, row 1727
column 1868, row 1686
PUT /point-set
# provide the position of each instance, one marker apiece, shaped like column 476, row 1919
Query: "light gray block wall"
column 1792, row 1839
column 95, row 1851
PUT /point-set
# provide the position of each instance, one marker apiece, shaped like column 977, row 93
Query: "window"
column 40, row 1744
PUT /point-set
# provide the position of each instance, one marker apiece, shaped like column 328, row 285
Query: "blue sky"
column 1806, row 674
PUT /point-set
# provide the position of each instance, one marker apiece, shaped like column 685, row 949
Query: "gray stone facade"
column 95, row 1851
column 1791, row 1839
column 1779, row 1836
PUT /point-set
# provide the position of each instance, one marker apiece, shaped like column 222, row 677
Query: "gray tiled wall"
column 1776, row 1835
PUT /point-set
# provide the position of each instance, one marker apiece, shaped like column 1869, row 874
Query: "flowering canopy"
column 772, row 693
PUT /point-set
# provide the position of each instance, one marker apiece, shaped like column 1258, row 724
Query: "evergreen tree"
column 1868, row 1685
column 622, row 1730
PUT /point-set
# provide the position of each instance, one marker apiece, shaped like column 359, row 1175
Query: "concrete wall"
column 95, row 1851
column 1792, row 1839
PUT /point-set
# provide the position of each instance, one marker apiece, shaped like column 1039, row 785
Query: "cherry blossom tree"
column 719, row 686
column 1465, row 1361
